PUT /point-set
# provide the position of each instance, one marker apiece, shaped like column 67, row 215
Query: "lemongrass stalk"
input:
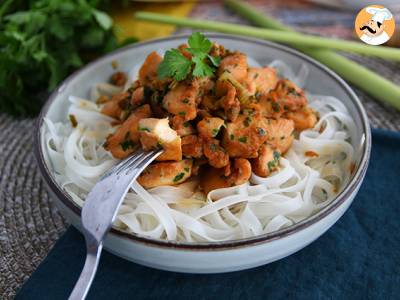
column 375, row 85
column 291, row 38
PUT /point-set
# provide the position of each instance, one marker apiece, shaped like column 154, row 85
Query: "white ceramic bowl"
column 221, row 256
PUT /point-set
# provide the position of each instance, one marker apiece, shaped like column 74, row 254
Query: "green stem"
column 291, row 38
column 371, row 82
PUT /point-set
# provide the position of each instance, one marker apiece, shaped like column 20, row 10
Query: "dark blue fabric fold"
column 358, row 258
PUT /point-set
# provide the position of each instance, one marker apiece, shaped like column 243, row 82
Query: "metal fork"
column 100, row 209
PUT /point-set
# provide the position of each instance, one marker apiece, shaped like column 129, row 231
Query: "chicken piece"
column 213, row 178
column 156, row 133
column 148, row 71
column 231, row 104
column 209, row 127
column 228, row 101
column 166, row 173
column 241, row 171
column 209, row 103
column 235, row 64
column 244, row 136
column 123, row 141
column 204, row 85
column 102, row 99
column 182, row 127
column 269, row 108
column 303, row 119
column 118, row 78
column 216, row 155
column 244, row 90
column 137, row 96
column 266, row 162
column 181, row 100
column 265, row 79
column 192, row 146
column 217, row 50
column 286, row 96
column 115, row 107
column 279, row 133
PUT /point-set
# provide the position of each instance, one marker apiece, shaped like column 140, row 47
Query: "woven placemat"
column 30, row 223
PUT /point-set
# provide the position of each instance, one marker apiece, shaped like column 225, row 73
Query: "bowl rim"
column 351, row 187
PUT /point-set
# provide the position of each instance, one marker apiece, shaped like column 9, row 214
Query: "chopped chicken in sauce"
column 220, row 128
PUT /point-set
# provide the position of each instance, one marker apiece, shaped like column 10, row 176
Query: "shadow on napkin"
column 358, row 258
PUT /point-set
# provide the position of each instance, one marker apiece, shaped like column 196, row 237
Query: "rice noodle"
column 301, row 186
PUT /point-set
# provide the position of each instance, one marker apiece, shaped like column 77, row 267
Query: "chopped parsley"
column 179, row 177
column 292, row 91
column 215, row 132
column 127, row 144
column 186, row 124
column 232, row 137
column 185, row 100
column 213, row 147
column 144, row 129
column 186, row 169
column 274, row 163
column 276, row 155
column 271, row 165
column 247, row 121
column 182, row 113
column 242, row 139
column 275, row 106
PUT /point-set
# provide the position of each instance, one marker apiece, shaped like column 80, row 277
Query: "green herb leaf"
column 215, row 60
column 198, row 42
column 178, row 177
column 271, row 165
column 215, row 132
column 103, row 19
column 41, row 42
column 201, row 69
column 127, row 144
column 276, row 155
column 174, row 65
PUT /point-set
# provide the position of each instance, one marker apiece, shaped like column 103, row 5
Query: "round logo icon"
column 374, row 24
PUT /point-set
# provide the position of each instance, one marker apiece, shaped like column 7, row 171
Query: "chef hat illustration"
column 379, row 14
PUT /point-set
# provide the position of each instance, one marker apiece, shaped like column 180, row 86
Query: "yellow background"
column 126, row 26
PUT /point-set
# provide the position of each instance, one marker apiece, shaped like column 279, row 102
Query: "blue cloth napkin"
column 358, row 258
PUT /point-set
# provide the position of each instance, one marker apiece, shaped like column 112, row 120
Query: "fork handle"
column 89, row 270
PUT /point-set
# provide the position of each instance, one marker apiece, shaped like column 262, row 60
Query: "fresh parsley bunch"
column 175, row 65
column 41, row 42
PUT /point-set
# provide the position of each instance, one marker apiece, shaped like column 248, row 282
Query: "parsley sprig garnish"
column 175, row 65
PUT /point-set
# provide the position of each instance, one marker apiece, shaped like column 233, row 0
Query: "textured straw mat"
column 29, row 222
